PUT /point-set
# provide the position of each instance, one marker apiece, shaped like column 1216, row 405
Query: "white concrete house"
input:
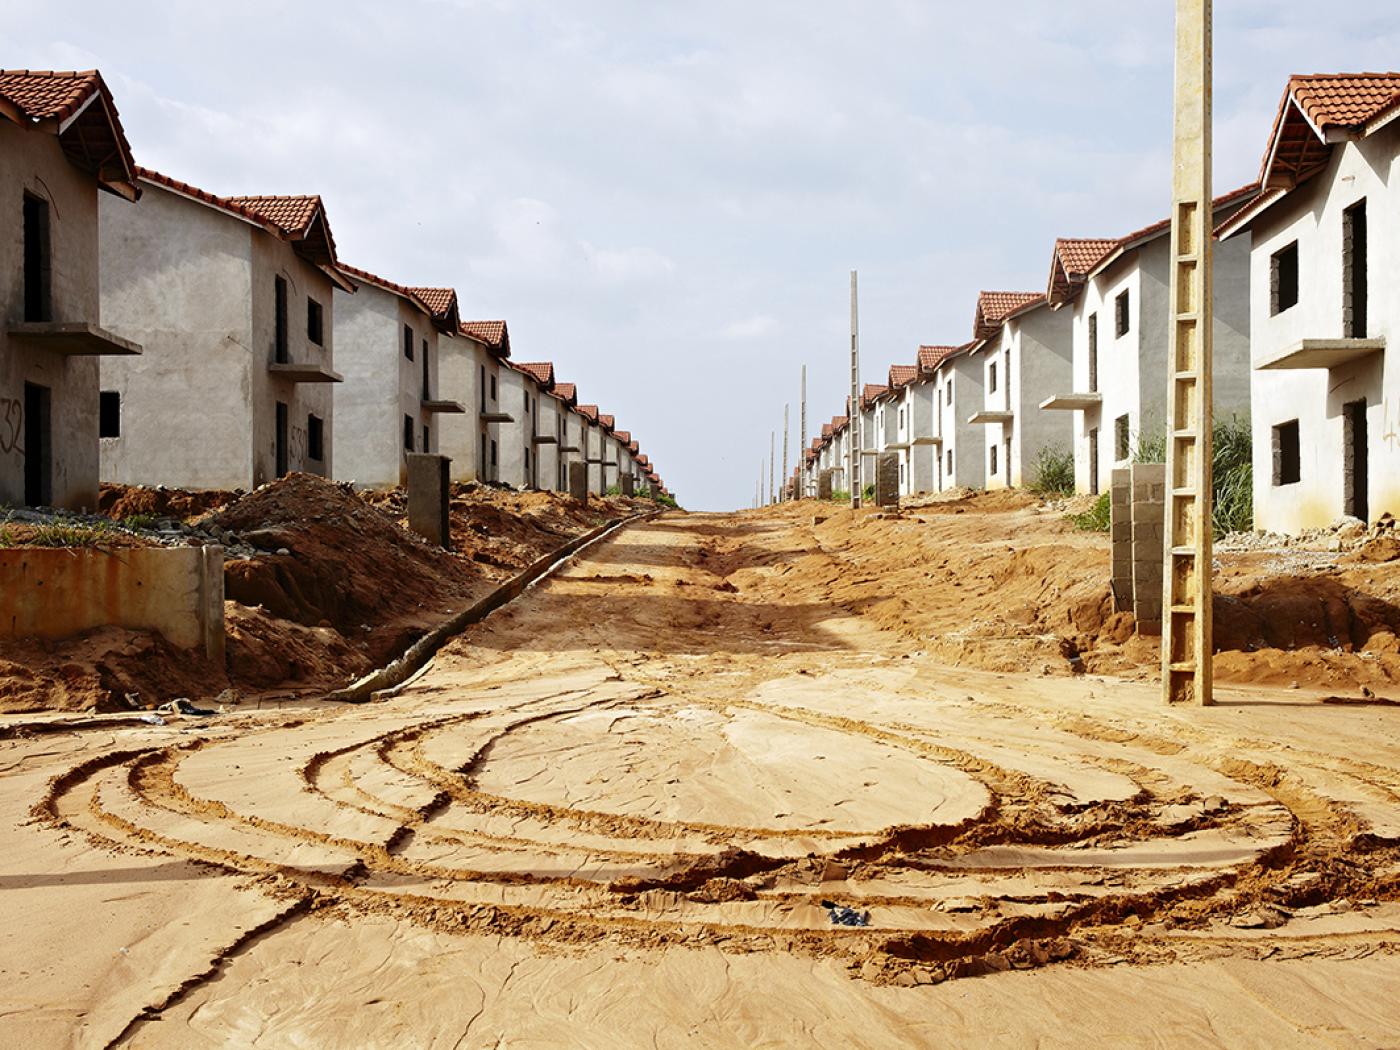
column 233, row 299
column 916, row 425
column 61, row 148
column 546, row 418
column 469, row 369
column 1324, row 244
column 1026, row 352
column 592, row 444
column 958, row 396
column 515, row 451
column 387, row 349
column 1118, row 292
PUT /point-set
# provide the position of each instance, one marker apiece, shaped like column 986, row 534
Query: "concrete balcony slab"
column 1321, row 353
column 73, row 338
column 1072, row 402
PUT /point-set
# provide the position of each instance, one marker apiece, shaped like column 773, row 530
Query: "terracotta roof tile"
column 993, row 308
column 623, row 436
column 438, row 303
column 606, row 422
column 870, row 392
column 95, row 141
column 930, row 357
column 541, row 371
column 1073, row 260
column 901, row 375
column 589, row 412
column 566, row 392
column 493, row 333
column 291, row 214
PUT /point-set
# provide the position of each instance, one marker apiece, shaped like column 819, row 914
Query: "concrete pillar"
column 1149, row 487
column 824, row 484
column 629, row 485
column 1121, row 532
column 211, row 602
column 578, row 481
column 429, row 492
column 887, row 479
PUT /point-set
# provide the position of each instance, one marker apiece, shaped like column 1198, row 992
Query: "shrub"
column 1150, row 447
column 1096, row 518
column 1232, row 467
column 868, row 494
column 613, row 490
column 140, row 521
column 57, row 534
column 841, row 496
column 1054, row 472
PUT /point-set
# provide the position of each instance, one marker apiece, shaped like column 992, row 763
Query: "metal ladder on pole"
column 1187, row 628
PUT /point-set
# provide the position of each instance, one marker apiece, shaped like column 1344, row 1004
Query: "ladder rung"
column 1184, row 667
column 1183, row 608
column 1184, row 552
column 1184, row 435
column 1187, row 493
column 1188, row 376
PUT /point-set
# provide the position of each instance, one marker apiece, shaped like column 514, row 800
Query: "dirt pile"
column 338, row 586
column 126, row 501
column 1002, row 581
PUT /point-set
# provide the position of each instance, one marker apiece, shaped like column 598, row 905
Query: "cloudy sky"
column 666, row 199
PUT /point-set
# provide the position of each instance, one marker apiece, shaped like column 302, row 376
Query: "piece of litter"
column 154, row 720
column 181, row 706
column 840, row 915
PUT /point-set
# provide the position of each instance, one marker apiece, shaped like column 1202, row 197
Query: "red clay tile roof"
column 606, row 422
column 566, row 392
column 930, row 357
column 493, row 333
column 1074, row 259
column 993, row 308
column 94, row 139
column 541, row 371
column 827, row 428
column 633, row 447
column 623, row 436
column 1344, row 100
column 1240, row 196
column 870, row 392
column 589, row 412
column 902, row 374
column 441, row 303
column 291, row 214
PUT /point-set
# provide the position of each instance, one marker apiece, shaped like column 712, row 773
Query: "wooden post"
column 783, row 477
column 1187, row 634
column 802, row 448
column 853, row 423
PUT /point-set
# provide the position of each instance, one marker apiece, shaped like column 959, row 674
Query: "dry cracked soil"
column 609, row 817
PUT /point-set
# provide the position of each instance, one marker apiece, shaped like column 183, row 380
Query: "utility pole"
column 802, row 448
column 783, row 490
column 772, row 445
column 1187, row 628
column 853, row 424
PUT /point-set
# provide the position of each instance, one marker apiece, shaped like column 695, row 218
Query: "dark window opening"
column 279, row 321
column 1288, row 469
column 1093, row 353
column 948, row 391
column 1356, row 494
column 1006, row 369
column 493, row 455
column 481, row 459
column 408, row 342
column 280, row 447
column 408, row 433
column 1354, row 288
column 493, row 388
column 315, row 438
column 315, row 322
column 950, row 462
column 38, row 447
column 1283, row 279
column 1094, row 462
column 1120, row 313
column 482, row 387
column 109, row 414
column 38, row 302
column 992, row 459
column 427, row 438
column 427, row 385
column 992, row 378
column 1122, row 439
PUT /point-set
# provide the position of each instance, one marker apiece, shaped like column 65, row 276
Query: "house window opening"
column 1354, row 287
column 315, row 438
column 1120, row 314
column 315, row 322
column 408, row 433
column 109, row 414
column 1288, row 468
column 279, row 323
column 1122, row 439
column 1283, row 279
column 38, row 303
column 408, row 342
column 1093, row 353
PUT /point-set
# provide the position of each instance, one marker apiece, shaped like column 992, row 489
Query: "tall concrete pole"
column 772, row 446
column 853, row 426
column 802, row 448
column 784, row 478
column 1187, row 627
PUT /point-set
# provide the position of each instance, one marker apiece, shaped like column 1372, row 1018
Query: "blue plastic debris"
column 840, row 915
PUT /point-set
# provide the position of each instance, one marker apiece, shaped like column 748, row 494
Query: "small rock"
column 1214, row 804
column 283, row 552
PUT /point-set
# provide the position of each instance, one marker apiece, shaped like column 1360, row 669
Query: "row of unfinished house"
column 158, row 334
column 1306, row 287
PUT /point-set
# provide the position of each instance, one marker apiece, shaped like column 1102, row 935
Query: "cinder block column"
column 824, row 485
column 1121, row 531
column 887, row 479
column 211, row 603
column 629, row 485
column 578, row 481
column 1149, row 484
column 429, row 491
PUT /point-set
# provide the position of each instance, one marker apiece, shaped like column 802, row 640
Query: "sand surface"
column 608, row 817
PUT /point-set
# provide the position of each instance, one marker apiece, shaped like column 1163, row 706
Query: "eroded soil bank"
column 610, row 816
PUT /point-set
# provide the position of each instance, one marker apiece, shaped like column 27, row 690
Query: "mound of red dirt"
column 125, row 501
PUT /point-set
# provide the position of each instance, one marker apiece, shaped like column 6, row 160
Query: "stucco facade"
column 1326, row 423
column 49, row 284
column 1120, row 337
column 958, row 394
column 915, row 434
column 389, row 405
column 219, row 400
column 1029, row 358
column 469, row 370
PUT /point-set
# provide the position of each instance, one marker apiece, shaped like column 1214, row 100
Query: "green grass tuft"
column 1054, row 472
column 1096, row 518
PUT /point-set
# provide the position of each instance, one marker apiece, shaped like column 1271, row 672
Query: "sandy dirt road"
column 608, row 817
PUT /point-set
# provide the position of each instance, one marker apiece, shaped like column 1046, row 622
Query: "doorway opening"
column 1356, row 495
column 38, row 447
column 281, row 453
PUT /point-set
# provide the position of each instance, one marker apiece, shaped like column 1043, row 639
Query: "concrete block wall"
column 1121, row 533
column 887, row 479
column 57, row 593
column 1149, row 489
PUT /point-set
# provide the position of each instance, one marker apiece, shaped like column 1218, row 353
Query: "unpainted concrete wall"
column 177, row 591
column 33, row 161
